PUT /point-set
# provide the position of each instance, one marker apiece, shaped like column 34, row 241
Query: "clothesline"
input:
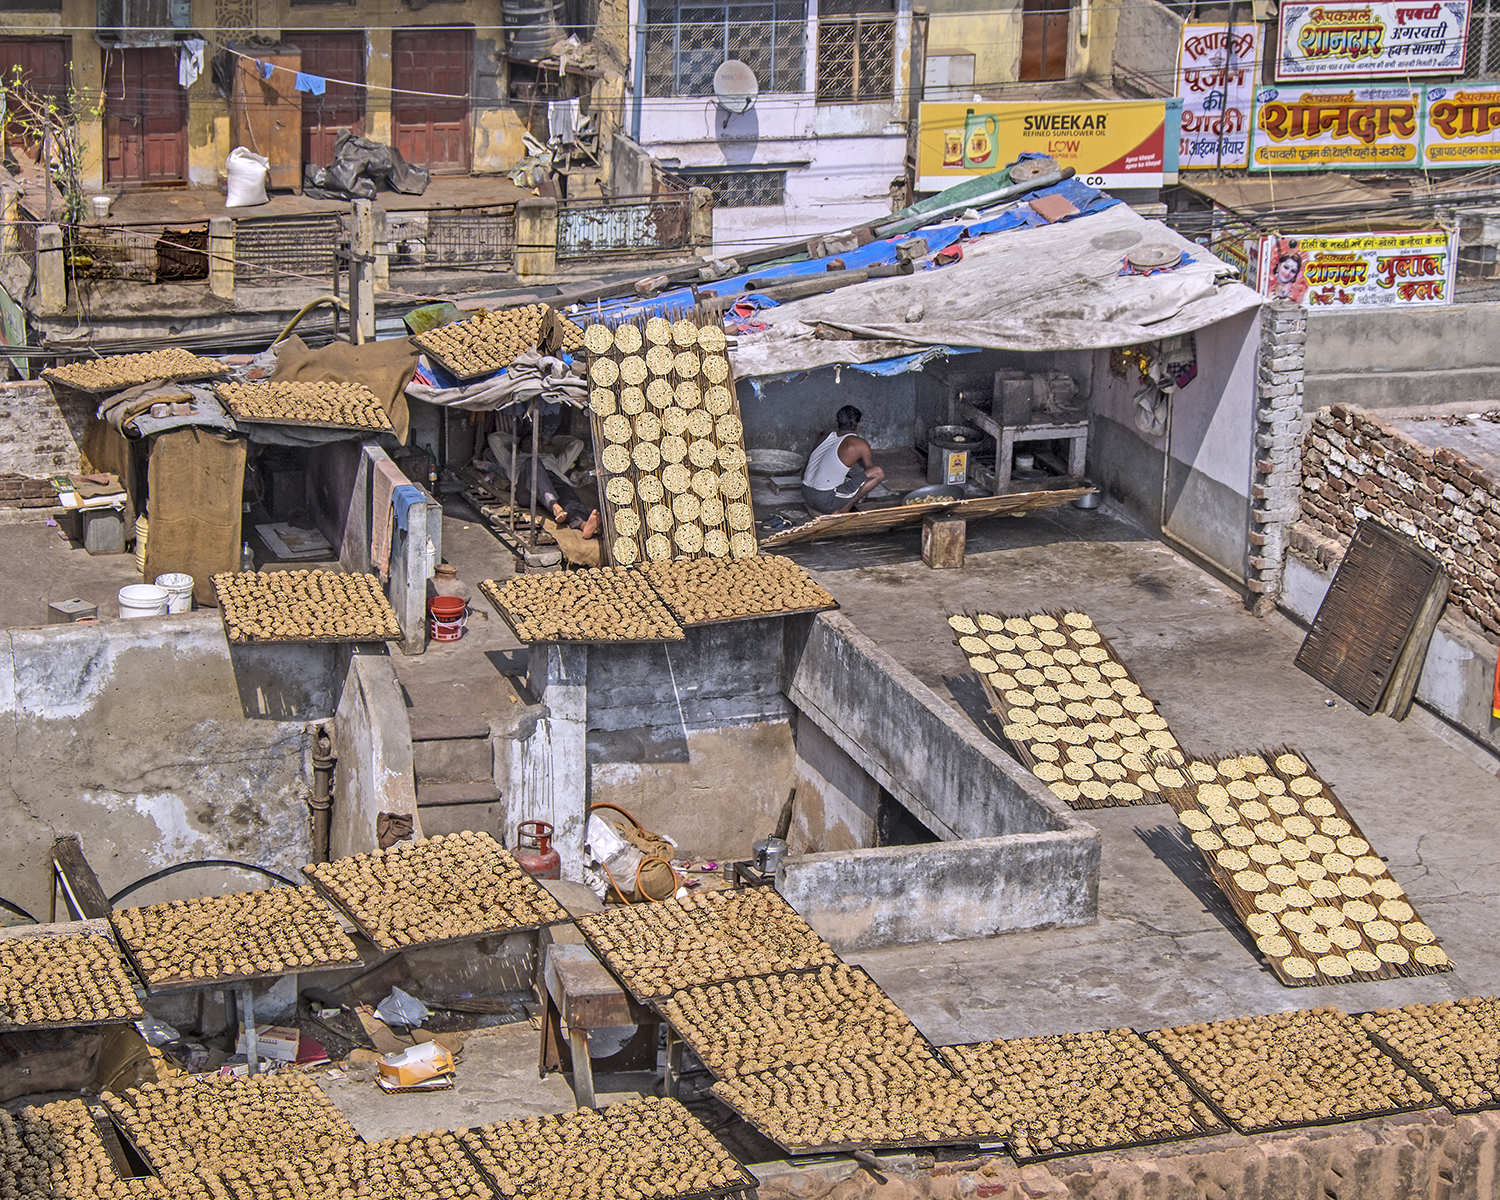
column 267, row 69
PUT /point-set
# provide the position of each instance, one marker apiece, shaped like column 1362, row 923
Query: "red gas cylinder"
column 534, row 850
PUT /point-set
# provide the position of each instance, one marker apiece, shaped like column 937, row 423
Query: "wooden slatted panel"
column 1367, row 615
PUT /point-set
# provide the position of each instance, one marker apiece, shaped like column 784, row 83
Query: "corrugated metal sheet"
column 588, row 231
column 275, row 250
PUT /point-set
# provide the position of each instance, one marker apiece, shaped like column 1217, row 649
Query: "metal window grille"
column 686, row 43
column 856, row 58
column 1482, row 61
column 738, row 189
column 276, row 250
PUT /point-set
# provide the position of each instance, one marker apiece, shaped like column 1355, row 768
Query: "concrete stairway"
column 454, row 762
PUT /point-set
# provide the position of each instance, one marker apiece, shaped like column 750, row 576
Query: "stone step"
column 452, row 760
column 451, row 807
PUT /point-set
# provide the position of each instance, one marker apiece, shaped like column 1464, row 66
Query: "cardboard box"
column 277, row 1042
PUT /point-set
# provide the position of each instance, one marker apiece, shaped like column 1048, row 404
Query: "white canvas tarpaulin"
column 1057, row 287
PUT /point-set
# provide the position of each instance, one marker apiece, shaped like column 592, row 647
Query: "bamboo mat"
column 879, row 520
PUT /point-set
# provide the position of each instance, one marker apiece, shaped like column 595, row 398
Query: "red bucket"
column 448, row 616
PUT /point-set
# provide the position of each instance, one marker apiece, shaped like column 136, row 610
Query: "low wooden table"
column 579, row 994
column 1007, row 437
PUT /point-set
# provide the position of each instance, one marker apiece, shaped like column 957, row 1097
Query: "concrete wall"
column 1014, row 857
column 943, row 891
column 838, row 804
column 796, row 414
column 40, row 433
column 1378, row 358
column 1146, row 35
column 693, row 737
column 372, row 738
column 1207, row 452
column 156, row 745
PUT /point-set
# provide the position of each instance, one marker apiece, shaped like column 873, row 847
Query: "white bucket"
column 179, row 589
column 142, row 600
column 100, row 205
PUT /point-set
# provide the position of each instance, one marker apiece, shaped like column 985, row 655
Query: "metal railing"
column 623, row 225
column 475, row 236
column 286, row 250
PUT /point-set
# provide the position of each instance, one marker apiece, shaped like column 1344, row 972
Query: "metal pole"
column 515, row 441
column 246, row 1004
column 916, row 84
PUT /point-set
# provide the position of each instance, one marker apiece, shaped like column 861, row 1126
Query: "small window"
column 856, row 50
column 738, row 189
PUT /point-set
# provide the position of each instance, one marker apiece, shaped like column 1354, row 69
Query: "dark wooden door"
column 1044, row 39
column 43, row 66
column 334, row 56
column 145, row 117
column 431, row 70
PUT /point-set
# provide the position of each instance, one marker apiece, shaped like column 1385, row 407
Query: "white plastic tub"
column 179, row 589
column 142, row 600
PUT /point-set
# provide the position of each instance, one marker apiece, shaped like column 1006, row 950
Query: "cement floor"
column 42, row 565
column 1167, row 948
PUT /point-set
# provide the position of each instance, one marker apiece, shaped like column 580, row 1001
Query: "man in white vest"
column 841, row 471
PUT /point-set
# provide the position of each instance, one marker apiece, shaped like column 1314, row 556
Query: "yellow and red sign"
column 1359, row 270
column 1109, row 143
column 1309, row 129
column 1461, row 125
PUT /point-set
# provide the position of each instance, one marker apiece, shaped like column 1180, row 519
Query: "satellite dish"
column 735, row 86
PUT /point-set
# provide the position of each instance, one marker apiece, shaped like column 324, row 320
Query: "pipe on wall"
column 320, row 803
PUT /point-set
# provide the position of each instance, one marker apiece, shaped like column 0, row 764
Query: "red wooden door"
column 1044, row 39
column 145, row 117
column 431, row 70
column 43, row 67
column 334, row 56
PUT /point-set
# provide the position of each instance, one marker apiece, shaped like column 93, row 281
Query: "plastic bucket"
column 142, row 600
column 179, row 589
column 448, row 616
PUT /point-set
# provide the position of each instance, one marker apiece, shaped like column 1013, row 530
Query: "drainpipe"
column 320, row 803
column 638, row 72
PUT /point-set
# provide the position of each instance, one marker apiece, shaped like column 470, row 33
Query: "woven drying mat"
column 1069, row 706
column 1319, row 902
column 1369, row 612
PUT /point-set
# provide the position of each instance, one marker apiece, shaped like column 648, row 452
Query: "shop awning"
column 1060, row 287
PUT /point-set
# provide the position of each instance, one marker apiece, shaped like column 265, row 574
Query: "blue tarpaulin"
column 938, row 236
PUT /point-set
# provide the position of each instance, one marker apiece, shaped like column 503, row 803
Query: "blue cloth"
column 402, row 498
column 265, row 68
column 315, row 84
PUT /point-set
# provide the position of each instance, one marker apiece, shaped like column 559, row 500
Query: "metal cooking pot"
column 934, row 491
column 1087, row 500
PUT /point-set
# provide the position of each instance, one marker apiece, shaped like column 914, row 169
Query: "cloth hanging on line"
column 191, row 57
column 315, row 84
column 265, row 68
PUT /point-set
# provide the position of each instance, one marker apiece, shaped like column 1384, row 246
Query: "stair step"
column 453, row 760
column 457, row 795
column 445, row 727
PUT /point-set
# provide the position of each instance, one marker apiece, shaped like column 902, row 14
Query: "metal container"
column 534, row 850
column 1087, row 500
column 948, row 450
column 768, row 854
column 934, row 491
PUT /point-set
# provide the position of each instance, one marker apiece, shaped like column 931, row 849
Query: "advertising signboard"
column 1359, row 270
column 1216, row 68
column 1371, row 39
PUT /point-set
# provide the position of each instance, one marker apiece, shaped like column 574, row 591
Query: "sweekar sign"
column 1109, row 143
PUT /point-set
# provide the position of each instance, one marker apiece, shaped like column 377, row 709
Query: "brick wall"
column 1276, row 486
column 40, row 434
column 1354, row 466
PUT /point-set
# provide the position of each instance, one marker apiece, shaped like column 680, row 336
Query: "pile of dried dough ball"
column 1080, row 1091
column 600, row 604
column 423, row 1166
column 120, row 371
column 704, row 590
column 895, row 1100
column 55, row 1152
column 202, row 1123
column 240, row 935
column 707, row 937
column 1071, row 707
column 452, row 886
column 64, row 979
column 491, row 340
column 1289, row 1068
column 1454, row 1045
column 303, row 606
column 641, row 1149
column 749, row 1025
column 299, row 402
column 1320, row 903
